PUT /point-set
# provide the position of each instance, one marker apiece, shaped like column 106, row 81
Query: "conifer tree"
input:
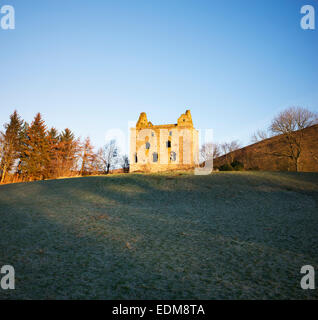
column 23, row 139
column 10, row 144
column 54, row 153
column 88, row 157
column 68, row 151
column 35, row 150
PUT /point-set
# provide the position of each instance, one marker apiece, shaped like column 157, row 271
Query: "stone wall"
column 155, row 148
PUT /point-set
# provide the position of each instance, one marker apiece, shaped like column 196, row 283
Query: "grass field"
column 223, row 236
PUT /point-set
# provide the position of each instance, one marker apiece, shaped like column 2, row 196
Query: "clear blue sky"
column 95, row 65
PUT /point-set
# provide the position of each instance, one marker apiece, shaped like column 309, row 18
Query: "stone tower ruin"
column 165, row 147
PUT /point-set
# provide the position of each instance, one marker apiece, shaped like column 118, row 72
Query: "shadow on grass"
column 215, row 237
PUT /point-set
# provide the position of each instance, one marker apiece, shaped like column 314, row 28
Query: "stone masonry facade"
column 167, row 147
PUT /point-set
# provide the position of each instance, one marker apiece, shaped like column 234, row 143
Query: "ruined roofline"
column 159, row 126
column 163, row 125
column 185, row 120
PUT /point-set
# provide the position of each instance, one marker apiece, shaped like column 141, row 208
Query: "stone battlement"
column 185, row 120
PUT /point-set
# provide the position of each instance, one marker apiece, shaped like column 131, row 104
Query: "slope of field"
column 267, row 154
column 242, row 235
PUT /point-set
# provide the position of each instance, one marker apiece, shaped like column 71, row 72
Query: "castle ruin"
column 166, row 147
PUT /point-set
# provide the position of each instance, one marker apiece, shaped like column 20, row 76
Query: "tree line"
column 33, row 152
column 289, row 123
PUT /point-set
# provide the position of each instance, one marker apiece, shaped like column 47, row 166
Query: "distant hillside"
column 261, row 155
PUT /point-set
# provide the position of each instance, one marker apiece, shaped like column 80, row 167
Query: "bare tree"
column 109, row 155
column 124, row 163
column 210, row 151
column 234, row 145
column 225, row 150
column 228, row 149
column 259, row 135
column 291, row 123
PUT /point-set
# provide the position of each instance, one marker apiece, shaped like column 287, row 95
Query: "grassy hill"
column 259, row 156
column 235, row 235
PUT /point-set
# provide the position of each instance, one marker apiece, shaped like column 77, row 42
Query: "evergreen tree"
column 88, row 157
column 54, row 153
column 68, row 152
column 11, row 139
column 35, row 150
column 23, row 139
column 38, row 153
column 53, row 135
